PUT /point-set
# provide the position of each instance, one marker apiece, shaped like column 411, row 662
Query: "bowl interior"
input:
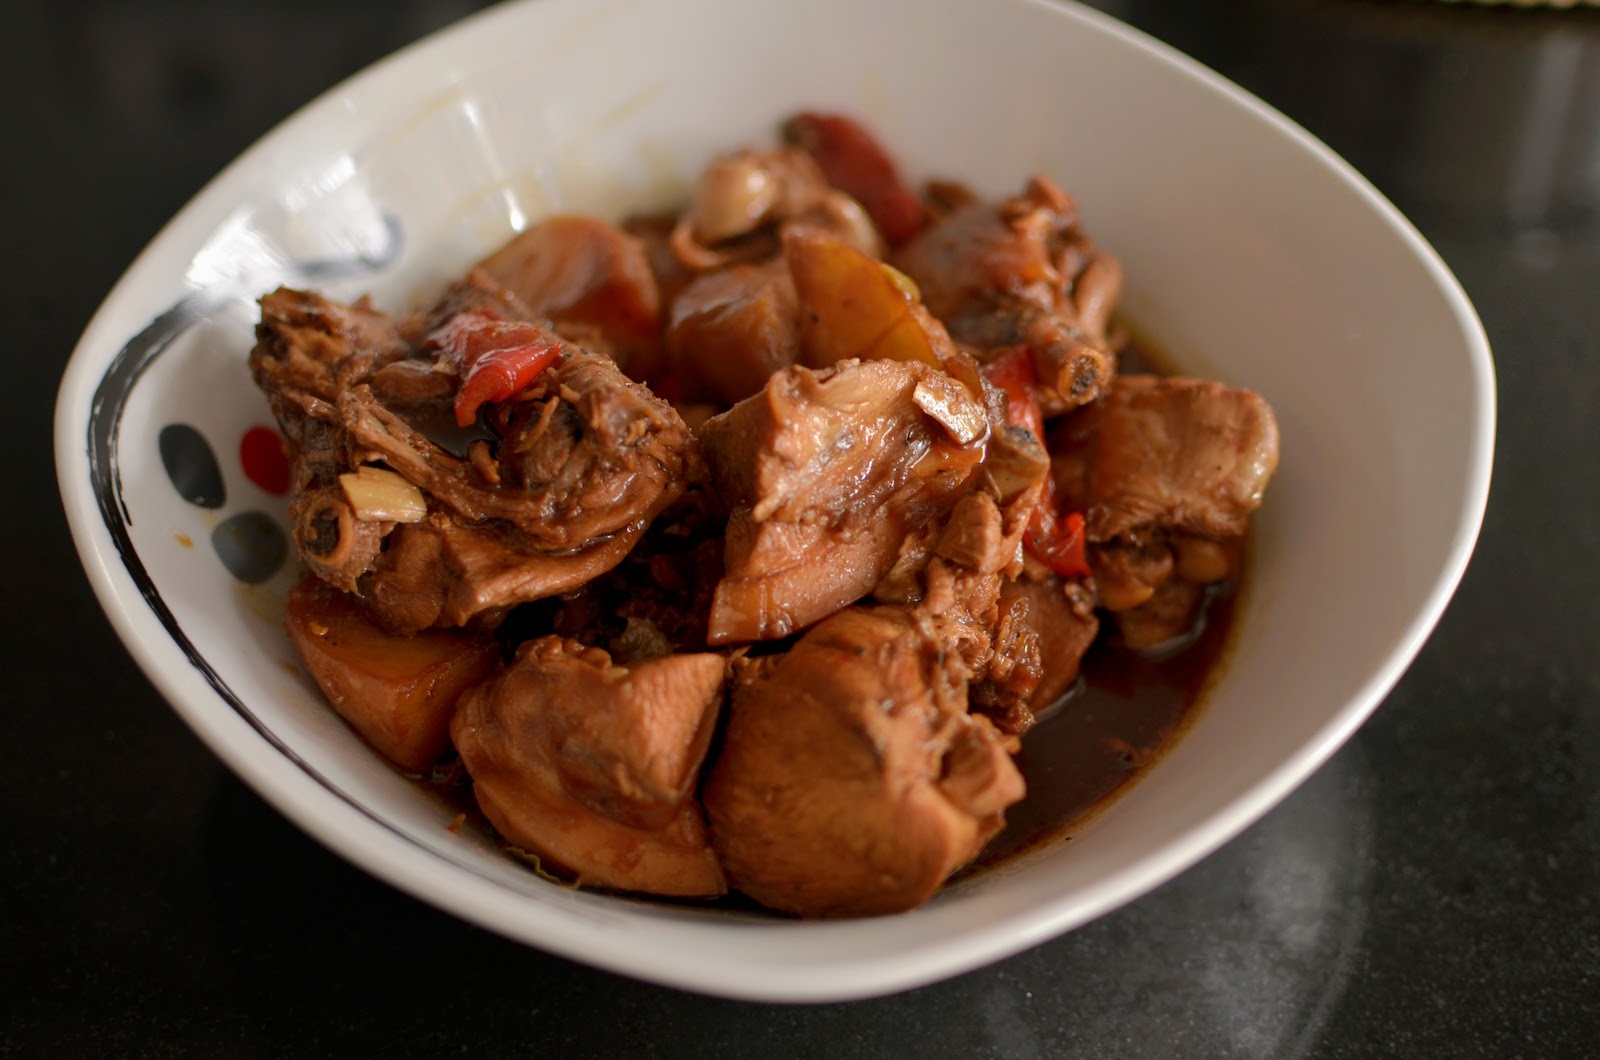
column 1252, row 256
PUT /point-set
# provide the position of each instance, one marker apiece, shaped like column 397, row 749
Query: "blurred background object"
column 1487, row 112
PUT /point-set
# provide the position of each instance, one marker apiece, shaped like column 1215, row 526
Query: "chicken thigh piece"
column 592, row 765
column 852, row 780
column 1167, row 472
column 577, row 462
column 585, row 460
column 826, row 472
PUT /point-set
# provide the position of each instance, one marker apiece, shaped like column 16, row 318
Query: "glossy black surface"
column 1433, row 891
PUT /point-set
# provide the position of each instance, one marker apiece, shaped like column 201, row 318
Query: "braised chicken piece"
column 825, row 474
column 587, row 458
column 592, row 766
column 581, row 461
column 967, row 597
column 852, row 781
column 1047, row 625
column 1167, row 473
column 443, row 572
column 978, row 550
column 1023, row 274
column 309, row 348
column 1181, row 453
column 584, row 453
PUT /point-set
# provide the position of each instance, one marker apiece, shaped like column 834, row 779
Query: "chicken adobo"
column 740, row 550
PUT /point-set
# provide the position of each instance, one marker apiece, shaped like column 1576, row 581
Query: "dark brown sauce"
column 1128, row 709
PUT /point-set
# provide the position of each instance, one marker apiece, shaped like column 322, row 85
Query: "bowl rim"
column 365, row 839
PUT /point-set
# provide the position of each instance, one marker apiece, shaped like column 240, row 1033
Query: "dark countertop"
column 1433, row 891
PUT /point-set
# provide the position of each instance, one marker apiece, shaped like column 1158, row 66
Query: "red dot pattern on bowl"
column 265, row 461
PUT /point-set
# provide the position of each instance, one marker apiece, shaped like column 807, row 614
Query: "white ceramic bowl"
column 1253, row 255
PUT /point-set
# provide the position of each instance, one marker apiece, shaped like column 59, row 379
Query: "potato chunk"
column 398, row 692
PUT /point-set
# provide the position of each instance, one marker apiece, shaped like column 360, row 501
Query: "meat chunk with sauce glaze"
column 581, row 460
column 585, row 460
column 969, row 602
column 825, row 474
column 583, row 453
column 852, row 781
column 1057, row 617
column 443, row 572
column 730, row 329
column 1167, row 473
column 592, row 766
column 1187, row 454
column 1023, row 273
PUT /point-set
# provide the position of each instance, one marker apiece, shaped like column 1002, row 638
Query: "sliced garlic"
column 947, row 401
column 378, row 495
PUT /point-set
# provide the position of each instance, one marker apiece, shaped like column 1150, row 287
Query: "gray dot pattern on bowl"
column 251, row 545
column 191, row 465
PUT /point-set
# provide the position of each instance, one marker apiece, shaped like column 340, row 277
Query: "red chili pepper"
column 497, row 358
column 1057, row 541
column 857, row 165
column 1013, row 372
